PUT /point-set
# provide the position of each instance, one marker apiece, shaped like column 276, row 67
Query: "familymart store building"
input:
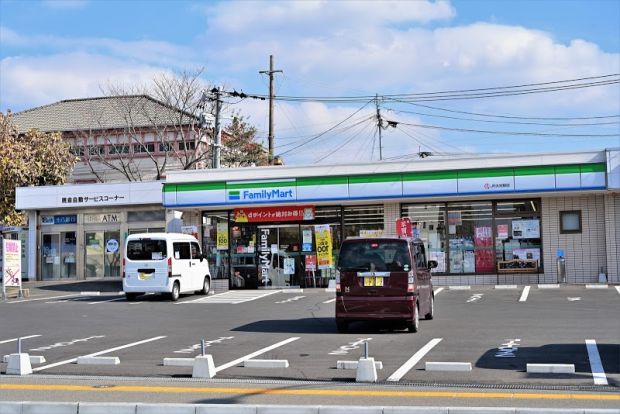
column 489, row 220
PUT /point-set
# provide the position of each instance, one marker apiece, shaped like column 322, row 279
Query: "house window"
column 118, row 149
column 144, row 148
column 96, row 150
column 78, row 151
column 187, row 145
column 570, row 222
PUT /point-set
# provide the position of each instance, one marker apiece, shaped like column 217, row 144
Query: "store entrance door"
column 279, row 260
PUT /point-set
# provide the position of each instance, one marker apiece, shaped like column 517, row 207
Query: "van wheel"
column 206, row 286
column 413, row 327
column 176, row 289
column 431, row 313
column 342, row 326
column 131, row 296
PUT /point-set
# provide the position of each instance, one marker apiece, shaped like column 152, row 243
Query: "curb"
column 17, row 407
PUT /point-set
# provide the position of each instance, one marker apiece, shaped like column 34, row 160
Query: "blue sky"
column 53, row 50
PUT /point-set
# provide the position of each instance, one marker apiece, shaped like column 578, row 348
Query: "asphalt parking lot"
column 498, row 331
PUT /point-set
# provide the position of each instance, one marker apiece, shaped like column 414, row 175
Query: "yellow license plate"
column 372, row 281
column 144, row 276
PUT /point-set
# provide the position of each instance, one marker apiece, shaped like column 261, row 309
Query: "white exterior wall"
column 391, row 212
column 585, row 252
column 612, row 227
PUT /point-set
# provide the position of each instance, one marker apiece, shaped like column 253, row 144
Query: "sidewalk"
column 95, row 285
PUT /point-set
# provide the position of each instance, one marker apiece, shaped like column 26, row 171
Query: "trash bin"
column 561, row 270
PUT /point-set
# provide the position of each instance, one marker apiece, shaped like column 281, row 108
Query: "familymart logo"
column 262, row 195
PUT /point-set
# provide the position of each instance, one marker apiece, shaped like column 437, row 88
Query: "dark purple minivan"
column 384, row 279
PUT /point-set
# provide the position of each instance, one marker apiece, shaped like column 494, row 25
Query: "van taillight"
column 170, row 267
column 410, row 283
column 123, row 268
column 338, row 290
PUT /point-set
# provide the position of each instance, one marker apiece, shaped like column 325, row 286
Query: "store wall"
column 585, row 252
column 612, row 229
column 392, row 213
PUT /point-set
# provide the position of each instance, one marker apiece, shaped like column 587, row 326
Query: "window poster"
column 502, row 231
column 483, row 244
column 526, row 229
column 440, row 258
column 323, row 237
column 222, row 236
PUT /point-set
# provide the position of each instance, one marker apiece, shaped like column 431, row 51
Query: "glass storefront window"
column 68, row 252
column 50, row 256
column 215, row 243
column 482, row 236
column 363, row 221
column 103, row 254
column 428, row 222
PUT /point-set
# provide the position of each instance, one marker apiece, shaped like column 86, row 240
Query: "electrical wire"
column 347, row 141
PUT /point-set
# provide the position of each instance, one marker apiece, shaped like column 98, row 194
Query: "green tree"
column 32, row 158
column 239, row 146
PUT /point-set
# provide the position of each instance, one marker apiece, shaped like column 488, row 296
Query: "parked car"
column 169, row 263
column 383, row 279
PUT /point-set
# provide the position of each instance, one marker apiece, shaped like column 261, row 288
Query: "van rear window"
column 380, row 256
column 147, row 249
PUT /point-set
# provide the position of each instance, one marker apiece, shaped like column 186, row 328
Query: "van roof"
column 177, row 236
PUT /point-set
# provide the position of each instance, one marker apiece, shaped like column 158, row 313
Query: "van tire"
column 176, row 290
column 431, row 314
column 206, row 286
column 413, row 326
column 342, row 326
column 131, row 296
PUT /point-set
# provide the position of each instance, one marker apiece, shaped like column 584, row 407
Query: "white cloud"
column 30, row 81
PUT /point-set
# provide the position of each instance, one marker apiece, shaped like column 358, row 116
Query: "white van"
column 166, row 263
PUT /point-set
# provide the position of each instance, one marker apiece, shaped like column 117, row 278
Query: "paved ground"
column 497, row 331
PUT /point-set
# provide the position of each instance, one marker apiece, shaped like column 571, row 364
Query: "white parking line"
column 104, row 301
column 406, row 367
column 437, row 291
column 596, row 366
column 45, row 298
column 6, row 341
column 330, row 301
column 105, row 351
column 253, row 354
column 526, row 292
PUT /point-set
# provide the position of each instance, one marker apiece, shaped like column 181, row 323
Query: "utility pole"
column 217, row 146
column 270, row 72
column 379, row 126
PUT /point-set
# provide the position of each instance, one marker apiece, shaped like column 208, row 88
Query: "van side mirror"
column 432, row 264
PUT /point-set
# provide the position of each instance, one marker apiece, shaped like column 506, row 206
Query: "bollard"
column 19, row 345
column 366, row 349
column 202, row 347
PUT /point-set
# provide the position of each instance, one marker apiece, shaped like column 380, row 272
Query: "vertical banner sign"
column 483, row 242
column 323, row 236
column 222, row 236
column 403, row 227
column 11, row 264
column 306, row 245
column 310, row 263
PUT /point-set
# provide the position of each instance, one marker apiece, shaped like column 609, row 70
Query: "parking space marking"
column 437, row 291
column 330, row 300
column 508, row 349
column 105, row 351
column 6, row 341
column 573, row 299
column 66, row 343
column 253, row 354
column 233, row 297
column 344, row 349
column 196, row 347
column 596, row 366
column 293, row 299
column 475, row 297
column 45, row 298
column 406, row 367
column 104, row 301
column 524, row 294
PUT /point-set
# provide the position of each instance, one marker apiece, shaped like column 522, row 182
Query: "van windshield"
column 375, row 255
column 146, row 249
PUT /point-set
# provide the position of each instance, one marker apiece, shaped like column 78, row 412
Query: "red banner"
column 403, row 227
column 310, row 263
column 485, row 255
column 265, row 214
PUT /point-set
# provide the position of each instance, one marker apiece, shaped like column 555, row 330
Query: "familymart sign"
column 390, row 185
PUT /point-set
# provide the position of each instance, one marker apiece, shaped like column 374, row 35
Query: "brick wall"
column 585, row 252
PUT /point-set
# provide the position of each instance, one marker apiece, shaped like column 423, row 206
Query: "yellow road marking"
column 341, row 393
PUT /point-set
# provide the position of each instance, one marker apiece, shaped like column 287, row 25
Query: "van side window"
column 420, row 256
column 195, row 251
column 181, row 251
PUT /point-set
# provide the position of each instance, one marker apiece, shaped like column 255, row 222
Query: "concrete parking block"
column 447, row 366
column 482, row 410
column 106, row 408
column 349, row 410
column 178, row 362
column 266, row 363
column 597, row 286
column 563, row 411
column 366, row 370
column 34, row 359
column 505, row 286
column 551, row 368
column 353, row 364
column 19, row 364
column 548, row 286
column 203, row 367
column 90, row 293
column 90, row 360
column 31, row 407
column 459, row 287
column 415, row 410
column 10, row 407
